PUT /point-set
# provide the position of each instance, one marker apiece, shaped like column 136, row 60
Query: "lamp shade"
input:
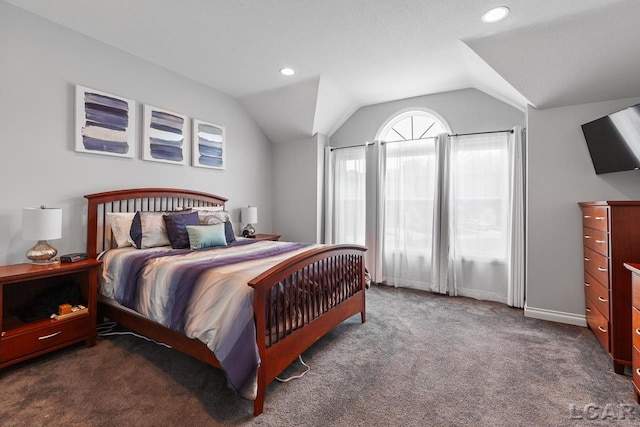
column 249, row 215
column 41, row 223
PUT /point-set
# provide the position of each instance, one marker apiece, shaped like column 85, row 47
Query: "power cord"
column 295, row 377
column 106, row 329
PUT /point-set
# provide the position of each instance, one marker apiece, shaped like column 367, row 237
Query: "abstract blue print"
column 208, row 145
column 164, row 136
column 104, row 123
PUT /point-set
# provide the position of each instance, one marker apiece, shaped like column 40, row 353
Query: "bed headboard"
column 99, row 237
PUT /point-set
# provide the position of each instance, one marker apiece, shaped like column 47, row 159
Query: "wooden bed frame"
column 332, row 290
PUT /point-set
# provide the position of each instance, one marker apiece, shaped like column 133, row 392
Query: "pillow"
column 148, row 229
column 206, row 236
column 213, row 217
column 218, row 217
column 176, row 225
column 120, row 223
column 228, row 233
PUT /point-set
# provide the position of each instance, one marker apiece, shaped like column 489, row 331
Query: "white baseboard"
column 555, row 316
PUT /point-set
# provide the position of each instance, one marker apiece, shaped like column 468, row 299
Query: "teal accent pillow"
column 206, row 236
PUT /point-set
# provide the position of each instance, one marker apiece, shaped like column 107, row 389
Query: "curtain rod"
column 449, row 136
column 481, row 133
column 365, row 145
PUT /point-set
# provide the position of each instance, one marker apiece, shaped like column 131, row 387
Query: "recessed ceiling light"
column 286, row 71
column 496, row 14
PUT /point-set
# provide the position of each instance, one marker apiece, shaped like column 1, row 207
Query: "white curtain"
column 479, row 212
column 345, row 205
column 451, row 215
column 515, row 290
column 408, row 188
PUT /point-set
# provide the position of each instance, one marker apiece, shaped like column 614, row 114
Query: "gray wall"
column 560, row 174
column 40, row 64
column 466, row 110
column 298, row 167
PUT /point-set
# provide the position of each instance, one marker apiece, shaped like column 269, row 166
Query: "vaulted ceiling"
column 351, row 53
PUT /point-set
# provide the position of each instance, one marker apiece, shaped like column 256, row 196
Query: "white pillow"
column 154, row 231
column 120, row 223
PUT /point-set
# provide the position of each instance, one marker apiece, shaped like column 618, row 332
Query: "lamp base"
column 42, row 253
column 248, row 231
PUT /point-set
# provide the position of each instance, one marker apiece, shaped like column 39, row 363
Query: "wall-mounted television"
column 614, row 141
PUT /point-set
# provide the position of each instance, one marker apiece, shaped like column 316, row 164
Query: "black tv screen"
column 614, row 141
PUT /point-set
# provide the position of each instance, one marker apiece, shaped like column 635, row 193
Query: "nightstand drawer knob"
column 602, row 329
column 46, row 337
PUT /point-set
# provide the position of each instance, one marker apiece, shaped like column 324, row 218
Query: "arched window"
column 412, row 125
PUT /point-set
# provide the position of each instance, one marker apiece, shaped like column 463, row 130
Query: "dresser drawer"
column 635, row 365
column 597, row 265
column 598, row 324
column 19, row 344
column 635, row 291
column 597, row 240
column 597, row 294
column 635, row 326
column 595, row 217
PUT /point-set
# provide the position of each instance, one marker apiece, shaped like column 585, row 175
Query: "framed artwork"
column 208, row 145
column 163, row 136
column 105, row 123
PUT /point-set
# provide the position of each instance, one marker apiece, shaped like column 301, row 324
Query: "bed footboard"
column 300, row 300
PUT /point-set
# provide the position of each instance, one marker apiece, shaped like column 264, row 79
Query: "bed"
column 297, row 296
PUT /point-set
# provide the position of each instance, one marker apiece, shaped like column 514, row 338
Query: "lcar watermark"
column 608, row 412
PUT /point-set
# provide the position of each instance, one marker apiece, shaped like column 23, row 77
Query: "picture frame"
column 104, row 123
column 208, row 145
column 163, row 138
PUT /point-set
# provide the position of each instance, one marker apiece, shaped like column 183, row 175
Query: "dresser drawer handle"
column 587, row 216
column 602, row 269
column 587, row 259
column 588, row 309
column 638, row 371
column 602, row 329
column 600, row 241
column 602, row 299
column 599, row 218
column 587, row 284
column 46, row 337
column 638, row 331
column 586, row 236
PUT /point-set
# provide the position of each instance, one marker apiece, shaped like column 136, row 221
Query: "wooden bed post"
column 260, row 313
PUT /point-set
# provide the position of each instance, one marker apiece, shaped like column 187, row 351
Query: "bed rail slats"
column 305, row 294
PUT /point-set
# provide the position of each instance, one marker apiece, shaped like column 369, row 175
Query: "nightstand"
column 22, row 287
column 274, row 237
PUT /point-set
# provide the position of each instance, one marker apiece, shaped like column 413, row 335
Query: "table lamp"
column 42, row 224
column 249, row 216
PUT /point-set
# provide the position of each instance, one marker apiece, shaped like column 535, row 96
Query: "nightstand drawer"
column 33, row 340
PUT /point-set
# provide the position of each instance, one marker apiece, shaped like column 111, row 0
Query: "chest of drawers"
column 611, row 237
column 635, row 328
